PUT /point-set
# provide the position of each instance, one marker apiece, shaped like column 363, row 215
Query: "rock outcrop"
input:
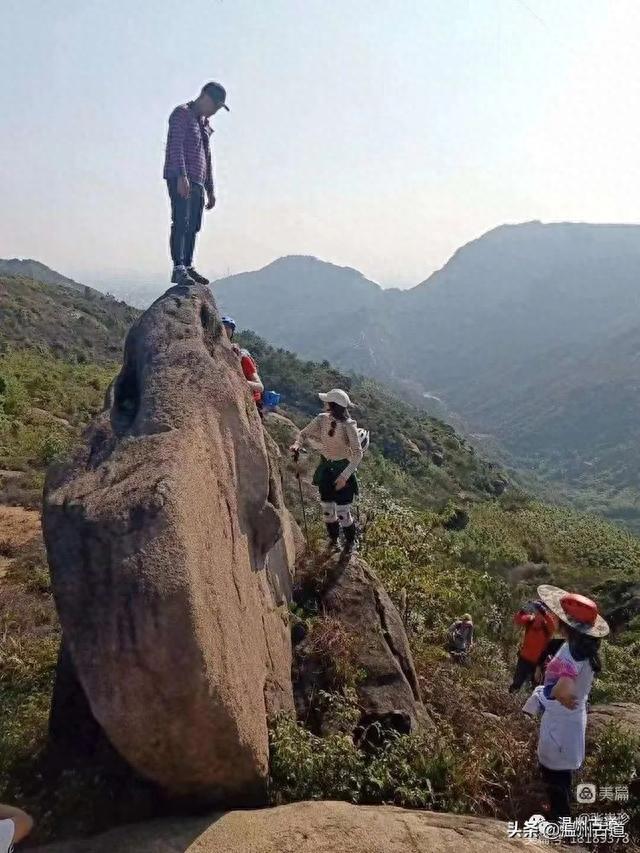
column 171, row 556
column 325, row 827
column 388, row 691
column 626, row 715
column 626, row 595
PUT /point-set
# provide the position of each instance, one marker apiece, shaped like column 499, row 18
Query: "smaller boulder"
column 437, row 457
column 625, row 714
column 528, row 572
column 458, row 520
column 350, row 594
column 626, row 607
column 45, row 418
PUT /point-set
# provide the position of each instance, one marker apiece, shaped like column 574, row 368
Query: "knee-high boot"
column 349, row 536
column 333, row 530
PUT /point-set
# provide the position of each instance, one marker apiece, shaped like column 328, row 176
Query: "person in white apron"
column 563, row 704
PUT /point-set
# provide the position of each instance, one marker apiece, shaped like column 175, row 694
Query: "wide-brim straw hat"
column 575, row 610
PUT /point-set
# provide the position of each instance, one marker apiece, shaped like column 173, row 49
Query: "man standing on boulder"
column 189, row 176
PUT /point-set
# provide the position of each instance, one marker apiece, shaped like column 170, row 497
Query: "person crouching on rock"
column 460, row 638
column 249, row 367
column 335, row 434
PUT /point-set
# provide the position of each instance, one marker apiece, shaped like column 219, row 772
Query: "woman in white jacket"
column 561, row 741
column 335, row 434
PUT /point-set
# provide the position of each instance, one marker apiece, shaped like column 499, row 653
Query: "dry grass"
column 338, row 650
column 29, row 637
column 495, row 741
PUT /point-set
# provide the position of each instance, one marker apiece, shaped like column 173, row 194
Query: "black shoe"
column 181, row 276
column 199, row 279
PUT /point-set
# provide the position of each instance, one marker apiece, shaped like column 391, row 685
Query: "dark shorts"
column 186, row 213
column 325, row 477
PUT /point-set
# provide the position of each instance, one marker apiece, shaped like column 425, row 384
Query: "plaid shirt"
column 188, row 150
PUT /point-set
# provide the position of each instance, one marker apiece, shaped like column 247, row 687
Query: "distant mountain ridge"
column 411, row 453
column 530, row 334
column 528, row 337
column 69, row 321
column 28, row 268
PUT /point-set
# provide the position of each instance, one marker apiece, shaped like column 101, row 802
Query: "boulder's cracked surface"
column 171, row 554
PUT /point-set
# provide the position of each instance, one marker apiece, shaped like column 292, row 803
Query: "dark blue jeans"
column 186, row 219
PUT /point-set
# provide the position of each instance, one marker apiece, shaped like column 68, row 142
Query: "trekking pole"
column 296, row 459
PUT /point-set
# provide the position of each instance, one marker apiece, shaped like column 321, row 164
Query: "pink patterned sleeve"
column 560, row 668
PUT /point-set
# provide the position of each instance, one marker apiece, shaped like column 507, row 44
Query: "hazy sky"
column 380, row 134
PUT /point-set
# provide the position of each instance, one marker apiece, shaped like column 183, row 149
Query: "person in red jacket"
column 249, row 367
column 539, row 627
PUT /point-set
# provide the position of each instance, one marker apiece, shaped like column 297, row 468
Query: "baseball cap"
column 217, row 93
column 338, row 396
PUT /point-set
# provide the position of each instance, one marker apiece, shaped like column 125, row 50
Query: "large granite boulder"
column 325, row 827
column 171, row 556
column 348, row 591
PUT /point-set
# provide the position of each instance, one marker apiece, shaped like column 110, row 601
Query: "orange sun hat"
column 575, row 610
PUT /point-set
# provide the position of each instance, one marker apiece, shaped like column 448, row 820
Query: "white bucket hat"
column 338, row 396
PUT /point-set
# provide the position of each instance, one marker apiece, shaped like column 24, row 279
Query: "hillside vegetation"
column 529, row 335
column 419, row 458
column 481, row 758
column 80, row 324
column 438, row 527
column 27, row 268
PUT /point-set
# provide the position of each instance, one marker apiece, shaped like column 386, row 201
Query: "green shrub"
column 613, row 759
column 30, row 379
column 339, row 711
column 412, row 771
column 13, row 396
column 306, row 767
column 618, row 681
column 419, row 561
column 54, row 447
